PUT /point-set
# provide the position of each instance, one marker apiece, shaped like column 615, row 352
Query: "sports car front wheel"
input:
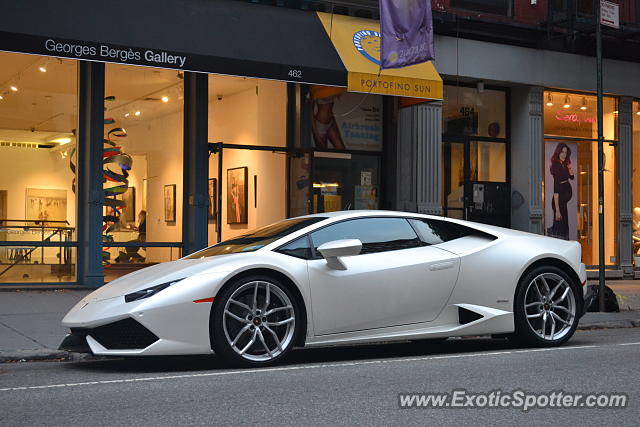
column 547, row 307
column 253, row 321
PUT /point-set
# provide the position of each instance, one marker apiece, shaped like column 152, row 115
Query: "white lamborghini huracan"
column 341, row 277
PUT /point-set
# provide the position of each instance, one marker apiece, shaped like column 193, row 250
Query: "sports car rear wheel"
column 254, row 321
column 546, row 307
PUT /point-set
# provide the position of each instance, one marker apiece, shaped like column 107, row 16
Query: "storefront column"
column 625, row 175
column 195, row 162
column 89, row 173
column 527, row 158
column 419, row 159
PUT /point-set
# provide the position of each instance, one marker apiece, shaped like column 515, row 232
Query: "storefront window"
column 470, row 112
column 571, row 172
column 345, row 182
column 143, row 166
column 635, row 183
column 38, row 122
column 249, row 114
column 475, row 153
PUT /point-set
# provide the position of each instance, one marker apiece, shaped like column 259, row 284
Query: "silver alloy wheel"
column 550, row 306
column 259, row 321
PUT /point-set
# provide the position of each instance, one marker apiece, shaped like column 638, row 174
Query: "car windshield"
column 257, row 238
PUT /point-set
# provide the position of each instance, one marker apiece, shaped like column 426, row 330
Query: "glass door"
column 475, row 182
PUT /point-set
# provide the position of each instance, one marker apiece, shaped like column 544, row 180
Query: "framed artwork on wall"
column 129, row 212
column 213, row 198
column 170, row 203
column 45, row 204
column 237, row 195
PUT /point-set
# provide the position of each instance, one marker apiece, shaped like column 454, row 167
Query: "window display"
column 248, row 122
column 571, row 172
column 350, row 181
column 143, row 157
column 345, row 121
column 38, row 126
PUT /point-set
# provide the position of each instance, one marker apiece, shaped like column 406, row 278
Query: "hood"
column 157, row 274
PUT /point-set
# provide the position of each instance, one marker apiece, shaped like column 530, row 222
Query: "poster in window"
column 343, row 120
column 561, row 198
column 237, row 195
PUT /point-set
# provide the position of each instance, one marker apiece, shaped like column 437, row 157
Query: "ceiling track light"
column 567, row 102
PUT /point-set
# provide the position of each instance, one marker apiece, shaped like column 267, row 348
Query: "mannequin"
column 636, row 230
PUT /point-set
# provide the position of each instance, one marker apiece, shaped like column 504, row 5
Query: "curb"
column 19, row 356
column 613, row 324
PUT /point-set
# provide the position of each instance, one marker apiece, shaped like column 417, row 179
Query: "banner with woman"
column 561, row 198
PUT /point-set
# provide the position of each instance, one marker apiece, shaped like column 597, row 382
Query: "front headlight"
column 146, row 293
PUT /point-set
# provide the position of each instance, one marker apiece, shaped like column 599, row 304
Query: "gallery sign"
column 105, row 52
column 162, row 58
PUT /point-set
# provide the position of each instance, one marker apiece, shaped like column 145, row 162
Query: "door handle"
column 441, row 266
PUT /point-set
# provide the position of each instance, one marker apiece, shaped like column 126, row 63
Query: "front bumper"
column 125, row 334
column 170, row 322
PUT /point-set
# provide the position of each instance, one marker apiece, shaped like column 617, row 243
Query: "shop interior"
column 573, row 115
column 143, row 132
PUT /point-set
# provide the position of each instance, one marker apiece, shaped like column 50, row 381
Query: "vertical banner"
column 561, row 197
column 407, row 33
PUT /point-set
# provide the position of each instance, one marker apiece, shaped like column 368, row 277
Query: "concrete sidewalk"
column 30, row 326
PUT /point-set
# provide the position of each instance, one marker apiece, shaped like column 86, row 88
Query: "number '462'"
column 296, row 74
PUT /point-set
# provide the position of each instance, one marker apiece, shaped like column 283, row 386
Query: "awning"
column 357, row 41
column 222, row 37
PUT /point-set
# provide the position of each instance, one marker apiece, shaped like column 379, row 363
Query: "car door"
column 397, row 279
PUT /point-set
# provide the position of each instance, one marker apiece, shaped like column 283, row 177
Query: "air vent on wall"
column 24, row 145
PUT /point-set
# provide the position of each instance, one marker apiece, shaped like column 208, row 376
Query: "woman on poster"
column 562, row 172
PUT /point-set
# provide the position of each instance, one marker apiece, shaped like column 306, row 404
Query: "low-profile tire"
column 254, row 321
column 546, row 307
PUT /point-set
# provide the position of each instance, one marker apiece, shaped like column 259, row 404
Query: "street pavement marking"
column 630, row 343
column 298, row 367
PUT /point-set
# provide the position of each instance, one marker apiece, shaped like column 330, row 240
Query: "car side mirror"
column 332, row 251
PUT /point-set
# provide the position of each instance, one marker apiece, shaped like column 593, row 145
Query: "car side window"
column 435, row 232
column 376, row 234
column 299, row 248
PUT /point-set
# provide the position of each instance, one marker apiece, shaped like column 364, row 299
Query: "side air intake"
column 467, row 316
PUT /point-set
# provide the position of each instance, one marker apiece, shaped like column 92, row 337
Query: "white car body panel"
column 366, row 302
column 381, row 289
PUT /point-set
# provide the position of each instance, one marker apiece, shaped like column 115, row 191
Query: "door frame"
column 466, row 140
column 467, row 182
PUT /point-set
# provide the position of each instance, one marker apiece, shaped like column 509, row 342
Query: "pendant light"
column 567, row 101
column 584, row 104
column 549, row 100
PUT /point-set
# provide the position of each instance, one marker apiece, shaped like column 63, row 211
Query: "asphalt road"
column 335, row 386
